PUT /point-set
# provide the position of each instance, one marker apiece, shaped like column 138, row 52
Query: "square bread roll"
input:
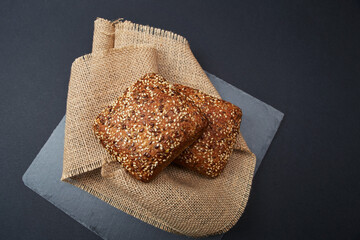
column 149, row 126
column 209, row 154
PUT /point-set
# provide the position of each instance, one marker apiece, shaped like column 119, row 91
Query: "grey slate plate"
column 259, row 125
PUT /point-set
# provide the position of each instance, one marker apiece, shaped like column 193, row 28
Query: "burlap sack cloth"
column 178, row 200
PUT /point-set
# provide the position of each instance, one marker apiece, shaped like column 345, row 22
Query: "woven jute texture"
column 178, row 200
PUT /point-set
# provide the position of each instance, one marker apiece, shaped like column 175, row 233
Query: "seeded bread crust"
column 209, row 154
column 149, row 126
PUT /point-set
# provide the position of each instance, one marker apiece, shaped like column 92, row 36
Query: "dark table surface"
column 302, row 57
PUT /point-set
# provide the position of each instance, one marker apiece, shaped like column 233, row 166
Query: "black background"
column 302, row 57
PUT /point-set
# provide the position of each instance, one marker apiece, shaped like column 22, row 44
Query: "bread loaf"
column 149, row 126
column 209, row 154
